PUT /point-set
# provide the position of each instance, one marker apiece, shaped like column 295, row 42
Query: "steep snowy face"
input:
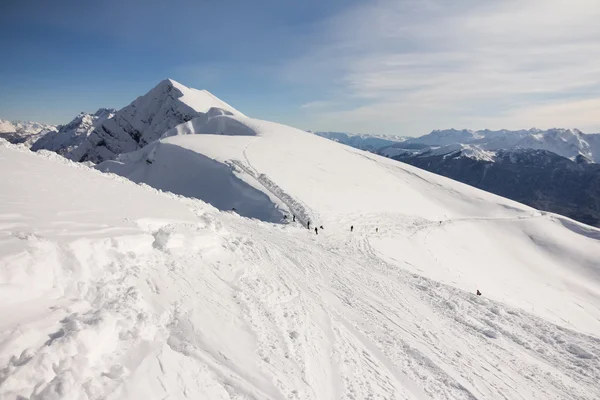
column 147, row 118
column 67, row 139
column 23, row 132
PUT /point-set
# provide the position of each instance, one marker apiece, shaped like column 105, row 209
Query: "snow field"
column 111, row 290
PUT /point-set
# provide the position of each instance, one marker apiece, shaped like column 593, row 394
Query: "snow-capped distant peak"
column 23, row 132
column 24, row 127
column 564, row 142
column 464, row 150
column 199, row 100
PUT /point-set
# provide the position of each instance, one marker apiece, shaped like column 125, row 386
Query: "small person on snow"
column 316, row 230
column 294, row 219
column 351, row 228
column 478, row 292
column 308, row 225
column 321, row 227
column 376, row 230
column 285, row 217
column 233, row 209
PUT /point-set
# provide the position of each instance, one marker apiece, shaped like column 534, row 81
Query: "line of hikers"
column 321, row 226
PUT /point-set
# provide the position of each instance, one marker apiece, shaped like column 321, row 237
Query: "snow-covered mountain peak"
column 145, row 120
column 199, row 100
column 104, row 113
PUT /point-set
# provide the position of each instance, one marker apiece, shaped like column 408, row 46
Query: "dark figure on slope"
column 316, row 230
column 351, row 228
column 321, row 227
column 478, row 292
column 376, row 230
column 308, row 225
column 294, row 219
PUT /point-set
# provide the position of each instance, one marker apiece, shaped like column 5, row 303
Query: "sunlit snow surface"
column 112, row 290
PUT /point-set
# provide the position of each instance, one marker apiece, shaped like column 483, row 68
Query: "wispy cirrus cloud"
column 317, row 104
column 412, row 66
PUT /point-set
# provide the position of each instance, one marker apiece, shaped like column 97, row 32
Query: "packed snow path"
column 111, row 290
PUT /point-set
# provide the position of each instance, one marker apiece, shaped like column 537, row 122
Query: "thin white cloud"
column 417, row 64
column 317, row 104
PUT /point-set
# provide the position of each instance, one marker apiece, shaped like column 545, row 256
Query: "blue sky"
column 385, row 66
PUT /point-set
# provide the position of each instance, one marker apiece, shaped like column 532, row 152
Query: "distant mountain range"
column 23, row 132
column 369, row 142
column 554, row 170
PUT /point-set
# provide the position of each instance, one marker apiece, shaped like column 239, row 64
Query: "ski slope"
column 113, row 290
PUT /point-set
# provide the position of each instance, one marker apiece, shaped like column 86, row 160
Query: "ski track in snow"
column 230, row 308
column 294, row 206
